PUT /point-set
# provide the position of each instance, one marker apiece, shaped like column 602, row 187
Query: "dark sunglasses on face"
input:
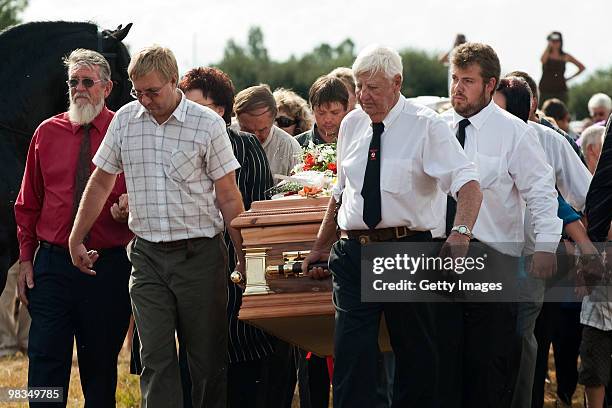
column 87, row 82
column 283, row 121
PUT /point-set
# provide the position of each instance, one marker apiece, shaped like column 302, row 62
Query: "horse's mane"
column 37, row 28
column 30, row 49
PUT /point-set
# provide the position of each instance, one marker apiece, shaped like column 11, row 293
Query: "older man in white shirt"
column 513, row 170
column 392, row 156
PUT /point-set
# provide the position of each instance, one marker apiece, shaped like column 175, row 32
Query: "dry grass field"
column 13, row 373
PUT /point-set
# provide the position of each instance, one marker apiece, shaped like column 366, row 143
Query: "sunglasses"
column 87, row 82
column 284, row 122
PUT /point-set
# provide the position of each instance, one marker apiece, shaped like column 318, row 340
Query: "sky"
column 198, row 30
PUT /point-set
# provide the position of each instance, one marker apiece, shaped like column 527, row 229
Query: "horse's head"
column 117, row 55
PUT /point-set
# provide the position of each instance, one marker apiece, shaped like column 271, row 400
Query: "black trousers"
column 265, row 383
column 558, row 324
column 479, row 347
column 411, row 329
column 66, row 304
column 313, row 380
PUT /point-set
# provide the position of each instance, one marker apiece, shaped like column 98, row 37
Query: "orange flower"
column 332, row 167
column 309, row 160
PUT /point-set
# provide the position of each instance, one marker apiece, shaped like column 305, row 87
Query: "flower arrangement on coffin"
column 314, row 177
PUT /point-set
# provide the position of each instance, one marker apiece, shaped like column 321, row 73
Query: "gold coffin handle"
column 256, row 272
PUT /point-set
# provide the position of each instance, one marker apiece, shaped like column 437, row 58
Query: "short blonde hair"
column 154, row 58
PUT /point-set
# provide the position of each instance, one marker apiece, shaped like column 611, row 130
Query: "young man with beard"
column 179, row 169
column 328, row 98
column 63, row 303
column 482, row 345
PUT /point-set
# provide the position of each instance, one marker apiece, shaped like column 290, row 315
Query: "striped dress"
column 245, row 342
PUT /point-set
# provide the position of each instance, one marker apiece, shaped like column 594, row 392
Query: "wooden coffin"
column 290, row 306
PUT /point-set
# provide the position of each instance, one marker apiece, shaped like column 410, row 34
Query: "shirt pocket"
column 489, row 170
column 396, row 177
column 183, row 165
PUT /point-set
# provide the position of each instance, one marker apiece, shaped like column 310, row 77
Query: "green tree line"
column 250, row 64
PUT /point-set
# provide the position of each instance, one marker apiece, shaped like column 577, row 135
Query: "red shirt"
column 44, row 206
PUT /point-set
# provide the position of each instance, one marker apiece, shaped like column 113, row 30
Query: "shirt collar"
column 479, row 119
column 98, row 123
column 394, row 112
column 179, row 113
column 269, row 138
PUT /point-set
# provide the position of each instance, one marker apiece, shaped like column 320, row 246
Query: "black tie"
column 451, row 204
column 83, row 170
column 371, row 182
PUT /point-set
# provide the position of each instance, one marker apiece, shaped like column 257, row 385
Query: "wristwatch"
column 463, row 230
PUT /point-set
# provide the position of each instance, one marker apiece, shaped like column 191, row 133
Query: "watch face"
column 462, row 230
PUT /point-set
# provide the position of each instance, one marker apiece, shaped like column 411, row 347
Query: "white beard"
column 84, row 114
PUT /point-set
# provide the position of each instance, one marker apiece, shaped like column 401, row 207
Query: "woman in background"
column 294, row 115
column 554, row 83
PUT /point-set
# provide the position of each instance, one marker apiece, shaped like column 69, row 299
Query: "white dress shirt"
column 513, row 170
column 571, row 175
column 419, row 156
column 170, row 169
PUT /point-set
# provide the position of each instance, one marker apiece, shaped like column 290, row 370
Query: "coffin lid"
column 285, row 211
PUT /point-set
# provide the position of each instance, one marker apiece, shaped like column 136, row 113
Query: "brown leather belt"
column 379, row 235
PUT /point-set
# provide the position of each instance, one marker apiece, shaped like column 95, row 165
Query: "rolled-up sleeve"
column 108, row 156
column 338, row 188
column 534, row 178
column 572, row 176
column 219, row 156
column 445, row 160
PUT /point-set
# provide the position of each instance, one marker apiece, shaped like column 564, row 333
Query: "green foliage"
column 250, row 65
column 9, row 12
column 579, row 95
column 423, row 74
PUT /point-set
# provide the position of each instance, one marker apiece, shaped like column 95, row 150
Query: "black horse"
column 33, row 89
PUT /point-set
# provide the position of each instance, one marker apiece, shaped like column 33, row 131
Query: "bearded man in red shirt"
column 64, row 303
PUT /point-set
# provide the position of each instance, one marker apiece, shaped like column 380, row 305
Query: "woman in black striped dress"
column 261, row 369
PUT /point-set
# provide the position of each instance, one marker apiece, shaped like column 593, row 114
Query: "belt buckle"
column 399, row 235
column 364, row 239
